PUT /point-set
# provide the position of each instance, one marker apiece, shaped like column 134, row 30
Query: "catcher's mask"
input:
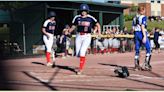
column 124, row 73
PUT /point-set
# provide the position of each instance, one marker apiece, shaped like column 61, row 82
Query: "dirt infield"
column 32, row 74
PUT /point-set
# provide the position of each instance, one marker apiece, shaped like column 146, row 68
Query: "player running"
column 48, row 30
column 139, row 26
column 84, row 22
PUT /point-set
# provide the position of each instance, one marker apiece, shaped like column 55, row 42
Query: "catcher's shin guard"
column 147, row 61
column 137, row 66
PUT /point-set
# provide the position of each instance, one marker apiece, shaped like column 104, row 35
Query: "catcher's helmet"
column 84, row 7
column 124, row 73
column 52, row 14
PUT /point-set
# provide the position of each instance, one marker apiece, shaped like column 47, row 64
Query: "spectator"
column 157, row 45
column 152, row 20
column 60, row 43
column 162, row 18
column 152, row 39
column 131, row 41
column 124, row 42
column 161, row 32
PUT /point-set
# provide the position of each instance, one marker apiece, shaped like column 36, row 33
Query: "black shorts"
column 156, row 44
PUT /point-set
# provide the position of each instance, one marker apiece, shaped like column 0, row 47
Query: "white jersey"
column 161, row 32
column 141, row 20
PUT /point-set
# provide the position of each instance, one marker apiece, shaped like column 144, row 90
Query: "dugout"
column 35, row 14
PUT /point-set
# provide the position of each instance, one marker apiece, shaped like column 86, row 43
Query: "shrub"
column 127, row 17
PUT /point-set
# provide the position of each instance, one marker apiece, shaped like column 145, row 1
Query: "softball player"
column 111, row 40
column 115, row 42
column 95, row 32
column 100, row 44
column 68, row 40
column 139, row 26
column 105, row 42
column 48, row 30
column 83, row 36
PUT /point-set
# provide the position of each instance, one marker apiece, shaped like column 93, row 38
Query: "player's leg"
column 84, row 46
column 78, row 42
column 100, row 45
column 110, row 45
column 148, row 55
column 48, row 43
column 67, row 46
column 138, row 45
column 94, row 46
column 105, row 43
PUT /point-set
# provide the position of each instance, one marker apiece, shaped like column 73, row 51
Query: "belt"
column 83, row 33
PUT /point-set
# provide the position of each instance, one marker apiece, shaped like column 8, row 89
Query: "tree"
column 134, row 8
column 6, row 6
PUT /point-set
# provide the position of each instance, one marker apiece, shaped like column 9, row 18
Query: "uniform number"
column 51, row 27
column 85, row 29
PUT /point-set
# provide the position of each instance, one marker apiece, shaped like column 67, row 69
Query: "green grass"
column 150, row 25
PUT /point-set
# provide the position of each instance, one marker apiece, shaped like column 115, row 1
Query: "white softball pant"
column 68, row 43
column 100, row 45
column 115, row 43
column 82, row 43
column 110, row 41
column 106, row 42
column 48, row 41
column 95, row 43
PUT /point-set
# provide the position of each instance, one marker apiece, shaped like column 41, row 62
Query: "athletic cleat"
column 108, row 53
column 49, row 64
column 138, row 68
column 115, row 52
column 79, row 72
column 148, row 67
column 147, row 62
column 63, row 57
column 152, row 53
column 159, row 52
column 68, row 56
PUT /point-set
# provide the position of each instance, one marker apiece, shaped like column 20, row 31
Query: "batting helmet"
column 84, row 7
column 67, row 26
column 52, row 14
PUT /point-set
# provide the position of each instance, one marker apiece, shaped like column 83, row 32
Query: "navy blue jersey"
column 125, row 32
column 138, row 21
column 156, row 36
column 84, row 24
column 50, row 27
column 64, row 39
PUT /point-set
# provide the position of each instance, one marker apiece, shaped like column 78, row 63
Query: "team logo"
column 84, row 7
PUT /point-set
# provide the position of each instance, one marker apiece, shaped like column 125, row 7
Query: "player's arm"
column 72, row 28
column 61, row 39
column 44, row 28
column 44, row 31
column 133, row 25
column 143, row 29
column 99, row 28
